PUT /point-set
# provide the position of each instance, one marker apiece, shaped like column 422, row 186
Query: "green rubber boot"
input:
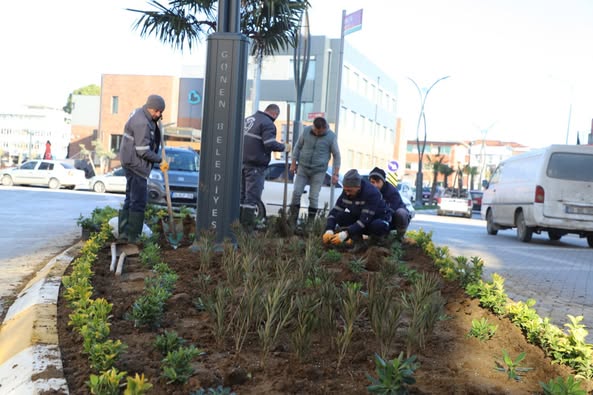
column 135, row 224
column 122, row 226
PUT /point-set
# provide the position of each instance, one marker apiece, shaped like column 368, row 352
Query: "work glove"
column 287, row 147
column 164, row 166
column 339, row 238
column 327, row 236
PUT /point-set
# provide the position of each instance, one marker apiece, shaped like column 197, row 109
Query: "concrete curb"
column 30, row 360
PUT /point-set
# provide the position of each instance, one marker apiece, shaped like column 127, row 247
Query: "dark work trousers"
column 136, row 192
column 377, row 227
column 400, row 219
column 252, row 185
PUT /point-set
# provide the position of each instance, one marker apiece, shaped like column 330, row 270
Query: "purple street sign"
column 353, row 22
column 392, row 165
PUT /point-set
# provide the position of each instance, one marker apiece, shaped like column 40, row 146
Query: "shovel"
column 173, row 231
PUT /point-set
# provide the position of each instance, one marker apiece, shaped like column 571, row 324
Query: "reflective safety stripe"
column 359, row 222
column 143, row 148
column 338, row 208
column 269, row 141
column 255, row 136
column 127, row 136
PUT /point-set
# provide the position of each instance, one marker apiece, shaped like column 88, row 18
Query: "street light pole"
column 421, row 118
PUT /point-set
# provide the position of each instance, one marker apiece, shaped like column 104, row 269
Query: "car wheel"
column 260, row 211
column 99, row 187
column 590, row 240
column 554, row 236
column 54, row 183
column 7, row 180
column 524, row 232
column 491, row 228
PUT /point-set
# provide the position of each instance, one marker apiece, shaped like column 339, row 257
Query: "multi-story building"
column 24, row 130
column 367, row 129
column 483, row 155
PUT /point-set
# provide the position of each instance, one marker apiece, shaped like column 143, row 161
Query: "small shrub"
column 107, row 383
column 393, row 376
column 168, row 341
column 177, row 366
column 220, row 390
column 137, row 385
column 482, row 330
column 561, row 386
column 332, row 256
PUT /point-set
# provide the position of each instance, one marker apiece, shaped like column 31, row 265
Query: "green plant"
column 511, row 367
column 278, row 305
column 425, row 306
column 168, row 341
column 357, row 265
column 394, row 376
column 177, row 366
column 491, row 295
column 107, row 383
column 216, row 306
column 349, row 310
column 332, row 256
column 137, row 385
column 150, row 254
column 482, row 329
column 206, row 247
column 384, row 312
column 247, row 311
column 561, row 386
column 148, row 309
column 231, row 263
column 304, row 323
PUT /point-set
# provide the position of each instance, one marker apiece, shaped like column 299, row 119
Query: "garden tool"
column 173, row 231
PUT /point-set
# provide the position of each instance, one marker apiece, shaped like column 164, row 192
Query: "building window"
column 115, row 142
column 114, row 104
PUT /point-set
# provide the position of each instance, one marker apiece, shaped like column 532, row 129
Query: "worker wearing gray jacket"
column 138, row 152
column 310, row 159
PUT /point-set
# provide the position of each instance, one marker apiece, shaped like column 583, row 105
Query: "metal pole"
column 338, row 100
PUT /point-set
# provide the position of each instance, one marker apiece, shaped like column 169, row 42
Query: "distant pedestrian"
column 139, row 151
column 400, row 216
column 310, row 159
column 47, row 154
column 259, row 140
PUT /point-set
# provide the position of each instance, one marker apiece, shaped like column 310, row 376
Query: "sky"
column 519, row 70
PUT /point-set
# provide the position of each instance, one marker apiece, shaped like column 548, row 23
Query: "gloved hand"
column 339, row 238
column 287, row 147
column 164, row 166
column 327, row 236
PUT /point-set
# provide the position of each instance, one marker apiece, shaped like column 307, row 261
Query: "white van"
column 549, row 189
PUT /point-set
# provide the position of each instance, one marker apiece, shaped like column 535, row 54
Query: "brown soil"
column 450, row 363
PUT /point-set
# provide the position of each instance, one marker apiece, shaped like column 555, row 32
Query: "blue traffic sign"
column 392, row 165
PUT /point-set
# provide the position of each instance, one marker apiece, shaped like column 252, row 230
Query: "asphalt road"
column 557, row 274
column 35, row 225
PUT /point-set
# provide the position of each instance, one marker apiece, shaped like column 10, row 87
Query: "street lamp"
column 421, row 118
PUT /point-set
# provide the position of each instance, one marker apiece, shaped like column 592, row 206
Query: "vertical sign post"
column 222, row 130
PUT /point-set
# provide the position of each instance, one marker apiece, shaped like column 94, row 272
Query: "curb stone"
column 30, row 359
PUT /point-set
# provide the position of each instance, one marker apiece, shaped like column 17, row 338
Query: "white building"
column 24, row 130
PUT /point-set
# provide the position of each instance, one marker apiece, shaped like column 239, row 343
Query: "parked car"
column 184, row 166
column 40, row 172
column 406, row 190
column 113, row 181
column 273, row 194
column 476, row 200
column 452, row 201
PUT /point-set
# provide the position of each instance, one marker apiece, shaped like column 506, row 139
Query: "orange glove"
column 164, row 166
column 327, row 236
column 339, row 238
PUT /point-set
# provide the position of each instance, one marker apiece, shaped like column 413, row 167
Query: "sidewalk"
column 30, row 361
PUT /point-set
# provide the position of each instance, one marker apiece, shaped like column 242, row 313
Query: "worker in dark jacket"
column 138, row 152
column 259, row 140
column 360, row 209
column 400, row 216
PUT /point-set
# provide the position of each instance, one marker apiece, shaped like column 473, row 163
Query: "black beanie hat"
column 155, row 102
column 352, row 178
column 377, row 173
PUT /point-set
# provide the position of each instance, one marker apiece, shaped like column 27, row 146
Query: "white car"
column 40, row 172
column 273, row 194
column 113, row 181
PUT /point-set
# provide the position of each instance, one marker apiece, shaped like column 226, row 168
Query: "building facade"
column 24, row 130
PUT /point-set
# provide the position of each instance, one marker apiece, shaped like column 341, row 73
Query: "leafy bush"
column 393, row 376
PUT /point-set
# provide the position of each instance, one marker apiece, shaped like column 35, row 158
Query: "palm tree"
column 435, row 164
column 472, row 172
column 446, row 171
column 271, row 25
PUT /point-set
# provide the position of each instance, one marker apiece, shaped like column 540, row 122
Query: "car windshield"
column 183, row 161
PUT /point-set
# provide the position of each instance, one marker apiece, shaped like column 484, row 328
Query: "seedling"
column 482, row 330
column 561, row 386
column 394, row 376
column 511, row 367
